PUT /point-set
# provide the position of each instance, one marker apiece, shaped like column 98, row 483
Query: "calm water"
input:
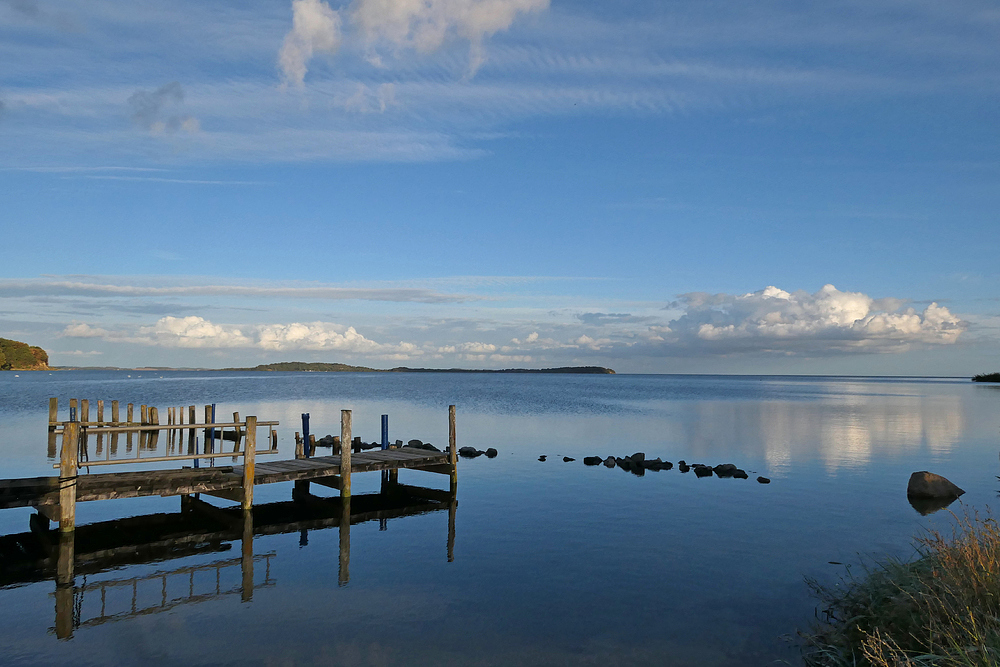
column 554, row 563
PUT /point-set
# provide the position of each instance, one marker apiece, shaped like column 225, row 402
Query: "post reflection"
column 199, row 529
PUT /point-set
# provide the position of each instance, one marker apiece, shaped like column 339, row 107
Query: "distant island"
column 987, row 377
column 18, row 356
column 302, row 366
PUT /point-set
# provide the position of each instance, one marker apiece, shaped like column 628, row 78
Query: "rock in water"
column 740, row 474
column 925, row 484
column 491, row 453
column 542, row 457
column 763, row 480
column 591, row 460
column 703, row 471
column 725, row 469
column 610, row 462
column 469, row 452
column 638, row 458
column 567, row 459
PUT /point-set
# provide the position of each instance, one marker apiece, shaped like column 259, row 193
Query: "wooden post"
column 53, row 412
column 128, row 414
column 248, row 462
column 100, row 412
column 452, row 448
column 143, row 415
column 84, row 411
column 114, row 412
column 68, row 459
column 239, row 433
column 299, row 451
column 312, row 443
column 154, row 416
column 345, row 454
column 274, row 440
column 65, row 571
column 73, row 416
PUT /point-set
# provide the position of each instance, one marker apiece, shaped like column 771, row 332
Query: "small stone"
column 683, row 467
column 491, row 453
column 567, row 459
column 725, row 469
column 763, row 480
column 652, row 464
column 591, row 460
column 638, row 457
column 703, row 471
column 542, row 457
column 681, row 463
column 469, row 452
column 414, row 443
column 609, row 462
column 740, row 474
column 667, row 465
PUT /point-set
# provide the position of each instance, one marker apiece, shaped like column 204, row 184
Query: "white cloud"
column 315, row 28
column 191, row 331
column 424, row 25
column 83, row 330
column 828, row 321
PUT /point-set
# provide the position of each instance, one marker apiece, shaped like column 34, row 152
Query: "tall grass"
column 941, row 609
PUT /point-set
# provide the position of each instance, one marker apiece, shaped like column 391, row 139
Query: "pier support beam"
column 345, row 454
column 452, row 448
column 68, row 460
column 65, row 566
column 248, row 463
column 344, row 569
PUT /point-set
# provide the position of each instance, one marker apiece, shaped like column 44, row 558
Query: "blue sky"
column 650, row 186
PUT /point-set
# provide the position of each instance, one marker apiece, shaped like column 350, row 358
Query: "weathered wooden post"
column 248, row 462
column 65, row 571
column 209, row 432
column 68, row 460
column 385, row 431
column 452, row 448
column 344, row 571
column 143, row 415
column 72, row 409
column 299, row 451
column 100, row 412
column 84, row 411
column 345, row 454
column 114, row 413
column 53, row 412
column 129, row 415
column 154, row 416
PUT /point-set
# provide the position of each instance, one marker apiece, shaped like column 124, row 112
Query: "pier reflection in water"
column 199, row 528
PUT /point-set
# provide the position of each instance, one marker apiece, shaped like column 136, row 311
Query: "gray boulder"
column 740, row 474
column 925, row 484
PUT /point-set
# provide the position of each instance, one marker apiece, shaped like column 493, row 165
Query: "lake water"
column 553, row 563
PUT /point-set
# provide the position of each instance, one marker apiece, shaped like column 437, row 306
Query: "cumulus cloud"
column 83, row 330
column 315, row 29
column 424, row 25
column 150, row 110
column 789, row 322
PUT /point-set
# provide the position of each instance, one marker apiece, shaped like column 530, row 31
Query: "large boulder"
column 925, row 484
column 725, row 469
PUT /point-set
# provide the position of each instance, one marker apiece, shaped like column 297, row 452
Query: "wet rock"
column 609, row 462
column 763, row 480
column 740, row 474
column 652, row 464
column 667, row 465
column 414, row 443
column 428, row 447
column 703, row 471
column 638, row 457
column 925, row 484
column 542, row 457
column 725, row 469
column 567, row 459
column 683, row 467
column 469, row 452
column 682, row 462
column 327, row 441
column 491, row 453
column 591, row 460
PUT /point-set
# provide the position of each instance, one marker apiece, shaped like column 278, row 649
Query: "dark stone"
column 567, row 459
column 469, row 452
column 326, row 441
column 491, row 453
column 924, row 506
column 683, row 467
column 725, row 469
column 638, row 457
column 681, row 463
column 542, row 457
column 426, row 446
column 667, row 465
column 414, row 443
column 763, row 480
column 703, row 471
column 591, row 460
column 740, row 474
column 609, row 462
column 925, row 484
column 652, row 464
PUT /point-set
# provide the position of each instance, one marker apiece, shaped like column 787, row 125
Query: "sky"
column 685, row 186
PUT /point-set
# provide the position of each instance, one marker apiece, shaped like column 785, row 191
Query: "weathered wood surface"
column 105, row 486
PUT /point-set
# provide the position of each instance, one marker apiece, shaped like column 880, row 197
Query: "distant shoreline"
column 305, row 367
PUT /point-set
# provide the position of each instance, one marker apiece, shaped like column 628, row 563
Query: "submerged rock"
column 426, row 446
column 740, row 474
column 638, row 457
column 703, row 471
column 925, row 484
column 567, row 459
column 542, row 457
column 763, row 480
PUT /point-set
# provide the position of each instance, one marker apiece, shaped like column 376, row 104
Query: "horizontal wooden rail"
column 166, row 427
column 157, row 459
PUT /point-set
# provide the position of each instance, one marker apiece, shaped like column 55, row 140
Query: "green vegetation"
column 987, row 377
column 941, row 609
column 302, row 366
column 18, row 356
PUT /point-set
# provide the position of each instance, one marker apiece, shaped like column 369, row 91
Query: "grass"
column 940, row 609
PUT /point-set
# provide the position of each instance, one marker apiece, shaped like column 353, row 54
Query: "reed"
column 942, row 608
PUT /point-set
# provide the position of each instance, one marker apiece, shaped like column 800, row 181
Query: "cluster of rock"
column 638, row 464
column 357, row 444
column 472, row 452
